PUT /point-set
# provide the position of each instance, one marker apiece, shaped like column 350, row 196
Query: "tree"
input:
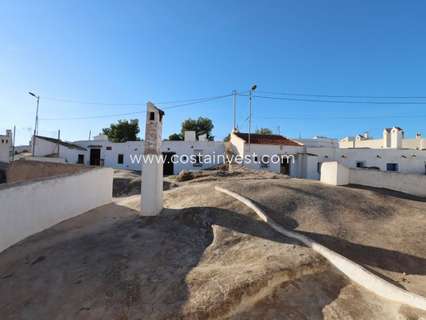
column 200, row 126
column 123, row 131
column 175, row 137
column 227, row 138
column 264, row 131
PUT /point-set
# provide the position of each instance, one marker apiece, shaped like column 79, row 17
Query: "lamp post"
column 250, row 112
column 36, row 120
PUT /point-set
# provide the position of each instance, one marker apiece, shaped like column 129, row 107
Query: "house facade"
column 392, row 138
column 177, row 155
column 300, row 158
column 6, row 146
column 269, row 152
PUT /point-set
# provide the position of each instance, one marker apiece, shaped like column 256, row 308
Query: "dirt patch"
column 127, row 183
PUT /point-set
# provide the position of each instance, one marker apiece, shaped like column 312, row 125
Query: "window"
column 360, row 164
column 264, row 162
column 109, row 148
column 319, row 167
column 80, row 159
column 392, row 167
column 198, row 158
column 152, row 116
column 120, row 159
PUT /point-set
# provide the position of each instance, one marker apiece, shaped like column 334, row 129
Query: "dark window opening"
column 80, row 159
column 109, row 148
column 392, row 167
column 198, row 160
column 360, row 164
column 120, row 159
column 152, row 116
column 264, row 161
column 319, row 167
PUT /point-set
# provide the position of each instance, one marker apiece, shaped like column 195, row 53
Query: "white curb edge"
column 351, row 269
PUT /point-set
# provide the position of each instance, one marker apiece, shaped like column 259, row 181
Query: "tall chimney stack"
column 152, row 170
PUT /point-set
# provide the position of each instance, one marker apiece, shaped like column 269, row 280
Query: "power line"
column 341, row 96
column 64, row 100
column 339, row 101
column 139, row 112
column 83, row 102
column 316, row 117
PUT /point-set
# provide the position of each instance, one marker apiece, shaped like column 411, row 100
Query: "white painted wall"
column 408, row 183
column 5, row 147
column 110, row 157
column 241, row 148
column 409, row 161
column 44, row 147
column 28, row 208
column 205, row 148
column 334, row 173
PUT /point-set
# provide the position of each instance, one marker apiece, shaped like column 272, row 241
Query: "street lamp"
column 250, row 113
column 36, row 120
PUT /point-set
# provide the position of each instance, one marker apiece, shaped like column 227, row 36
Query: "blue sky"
column 134, row 51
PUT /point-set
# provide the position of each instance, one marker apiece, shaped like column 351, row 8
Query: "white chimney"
column 202, row 137
column 190, row 136
column 396, row 138
column 152, row 170
column 387, row 138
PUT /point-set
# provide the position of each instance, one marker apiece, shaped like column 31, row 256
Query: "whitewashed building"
column 128, row 155
column 6, row 146
column 269, row 152
column 392, row 138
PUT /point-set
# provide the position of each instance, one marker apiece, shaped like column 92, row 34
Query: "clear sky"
column 134, row 51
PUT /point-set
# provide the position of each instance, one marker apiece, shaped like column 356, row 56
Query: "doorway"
column 168, row 165
column 95, row 157
column 285, row 166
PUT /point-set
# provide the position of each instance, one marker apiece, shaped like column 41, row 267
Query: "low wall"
column 28, row 208
column 336, row 174
column 26, row 170
column 414, row 184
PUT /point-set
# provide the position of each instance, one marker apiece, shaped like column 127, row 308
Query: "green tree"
column 264, row 131
column 200, row 126
column 123, row 130
column 227, row 138
column 175, row 137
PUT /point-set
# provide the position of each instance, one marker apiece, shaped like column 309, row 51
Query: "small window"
column 198, row 153
column 319, row 167
column 198, row 161
column 152, row 116
column 80, row 159
column 120, row 159
column 109, row 148
column 2, row 140
column 7, row 141
column 264, row 162
column 360, row 164
column 392, row 167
